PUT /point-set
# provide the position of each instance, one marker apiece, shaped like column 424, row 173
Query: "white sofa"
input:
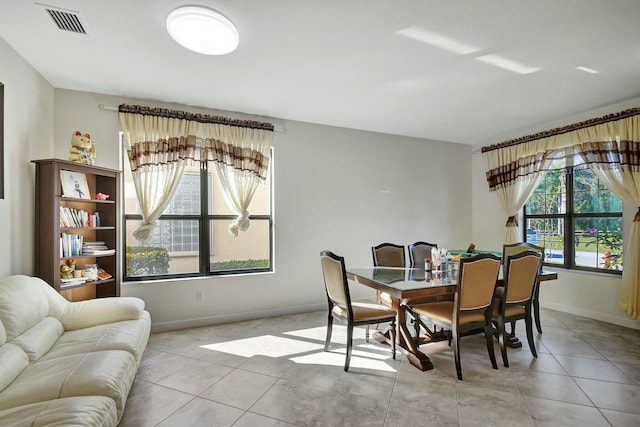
column 66, row 363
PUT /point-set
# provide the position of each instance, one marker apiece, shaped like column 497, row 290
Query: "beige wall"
column 28, row 135
column 335, row 188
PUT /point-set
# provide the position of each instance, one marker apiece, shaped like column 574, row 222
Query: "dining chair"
column 515, row 248
column 513, row 300
column 387, row 255
column 471, row 307
column 418, row 251
column 343, row 309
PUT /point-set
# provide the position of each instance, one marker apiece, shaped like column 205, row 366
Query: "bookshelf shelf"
column 53, row 223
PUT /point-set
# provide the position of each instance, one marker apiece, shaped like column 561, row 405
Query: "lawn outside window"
column 577, row 220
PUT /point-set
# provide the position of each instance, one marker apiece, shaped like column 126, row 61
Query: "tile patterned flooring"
column 273, row 372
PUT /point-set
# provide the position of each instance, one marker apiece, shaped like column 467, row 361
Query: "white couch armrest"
column 85, row 314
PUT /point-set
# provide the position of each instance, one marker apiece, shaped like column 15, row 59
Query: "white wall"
column 590, row 295
column 28, row 126
column 338, row 189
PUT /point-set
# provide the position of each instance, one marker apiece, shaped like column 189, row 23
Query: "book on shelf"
column 70, row 217
column 73, row 281
column 70, row 244
column 89, row 251
column 103, row 275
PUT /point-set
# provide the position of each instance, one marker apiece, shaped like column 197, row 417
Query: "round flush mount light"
column 202, row 30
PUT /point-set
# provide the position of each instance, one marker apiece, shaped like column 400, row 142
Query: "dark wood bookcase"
column 48, row 229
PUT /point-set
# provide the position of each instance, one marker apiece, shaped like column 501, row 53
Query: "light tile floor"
column 273, row 372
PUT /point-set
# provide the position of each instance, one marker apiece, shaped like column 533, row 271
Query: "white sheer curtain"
column 242, row 162
column 617, row 164
column 515, row 173
column 157, row 165
column 160, row 143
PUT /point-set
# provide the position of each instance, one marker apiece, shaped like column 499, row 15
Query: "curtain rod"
column 566, row 129
column 108, row 108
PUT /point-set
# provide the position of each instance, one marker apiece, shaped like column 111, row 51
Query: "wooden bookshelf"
column 49, row 253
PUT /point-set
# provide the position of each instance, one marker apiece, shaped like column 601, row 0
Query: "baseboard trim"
column 616, row 320
column 234, row 317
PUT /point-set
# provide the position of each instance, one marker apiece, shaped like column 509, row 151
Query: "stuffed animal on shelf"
column 83, row 149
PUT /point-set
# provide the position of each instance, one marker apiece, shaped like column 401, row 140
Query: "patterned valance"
column 195, row 117
column 156, row 136
column 583, row 142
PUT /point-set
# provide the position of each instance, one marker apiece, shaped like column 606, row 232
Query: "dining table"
column 412, row 284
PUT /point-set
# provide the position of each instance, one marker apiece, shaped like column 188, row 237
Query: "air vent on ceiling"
column 67, row 20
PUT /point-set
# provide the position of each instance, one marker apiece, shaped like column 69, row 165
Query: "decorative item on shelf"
column 101, row 196
column 74, row 184
column 71, row 263
column 83, row 149
column 90, row 272
column 66, row 272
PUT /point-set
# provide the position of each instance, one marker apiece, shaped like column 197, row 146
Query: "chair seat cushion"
column 443, row 312
column 363, row 311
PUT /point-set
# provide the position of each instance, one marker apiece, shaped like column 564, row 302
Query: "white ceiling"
column 343, row 62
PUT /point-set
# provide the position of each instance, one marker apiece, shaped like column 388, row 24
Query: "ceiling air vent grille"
column 65, row 20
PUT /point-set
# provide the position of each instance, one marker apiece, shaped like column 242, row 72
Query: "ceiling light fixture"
column 202, row 30
column 507, row 64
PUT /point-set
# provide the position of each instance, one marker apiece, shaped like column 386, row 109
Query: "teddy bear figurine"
column 83, row 149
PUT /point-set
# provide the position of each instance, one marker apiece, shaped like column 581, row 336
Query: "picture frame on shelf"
column 74, row 184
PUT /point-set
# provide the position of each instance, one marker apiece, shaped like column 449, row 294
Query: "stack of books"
column 70, row 217
column 96, row 248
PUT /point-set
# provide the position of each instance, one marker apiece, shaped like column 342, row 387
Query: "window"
column 577, row 220
column 191, row 237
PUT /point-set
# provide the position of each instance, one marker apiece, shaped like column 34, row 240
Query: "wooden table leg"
column 405, row 340
column 536, row 307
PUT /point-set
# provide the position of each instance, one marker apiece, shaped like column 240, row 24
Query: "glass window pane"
column 173, row 249
column 598, row 243
column 590, row 196
column 551, row 237
column 260, row 204
column 186, row 200
column 550, row 196
column 249, row 251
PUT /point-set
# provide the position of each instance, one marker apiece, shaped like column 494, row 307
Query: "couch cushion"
column 84, row 314
column 103, row 373
column 130, row 335
column 3, row 334
column 22, row 304
column 85, row 411
column 39, row 339
column 12, row 362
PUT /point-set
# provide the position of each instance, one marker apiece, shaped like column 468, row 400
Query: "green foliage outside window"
column 241, row 264
column 147, row 261
column 572, row 207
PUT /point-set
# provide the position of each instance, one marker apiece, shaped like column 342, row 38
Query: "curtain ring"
column 512, row 221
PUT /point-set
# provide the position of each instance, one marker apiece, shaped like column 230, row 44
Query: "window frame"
column 204, row 219
column 569, row 218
